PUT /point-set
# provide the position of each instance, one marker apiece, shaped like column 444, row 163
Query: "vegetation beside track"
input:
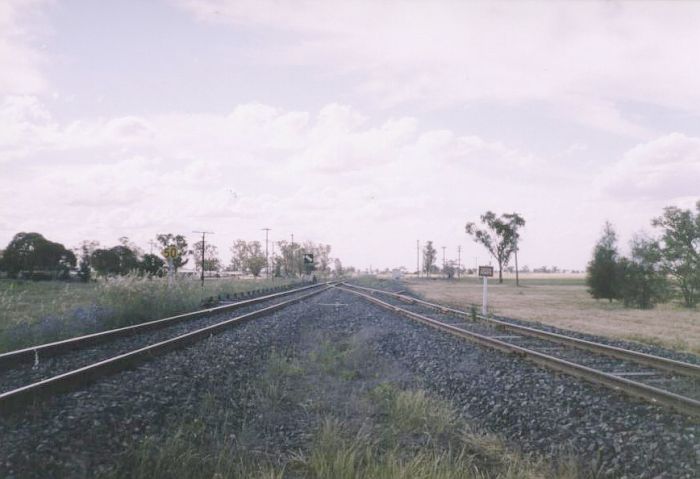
column 350, row 420
column 565, row 303
column 37, row 312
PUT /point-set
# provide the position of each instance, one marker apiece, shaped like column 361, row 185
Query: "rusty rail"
column 648, row 393
column 12, row 359
column 32, row 393
column 666, row 364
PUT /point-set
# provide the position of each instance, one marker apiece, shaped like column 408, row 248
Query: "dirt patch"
column 566, row 304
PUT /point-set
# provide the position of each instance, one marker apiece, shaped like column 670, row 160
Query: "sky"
column 366, row 125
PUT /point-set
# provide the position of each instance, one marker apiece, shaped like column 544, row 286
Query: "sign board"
column 170, row 252
column 308, row 258
column 486, row 271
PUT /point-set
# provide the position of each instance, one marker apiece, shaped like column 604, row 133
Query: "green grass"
column 393, row 433
column 38, row 312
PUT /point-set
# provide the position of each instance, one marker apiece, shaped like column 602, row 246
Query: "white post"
column 484, row 307
column 171, row 272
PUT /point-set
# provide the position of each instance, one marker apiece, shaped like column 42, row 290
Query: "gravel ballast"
column 82, row 433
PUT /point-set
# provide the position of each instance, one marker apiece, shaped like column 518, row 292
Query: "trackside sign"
column 486, row 271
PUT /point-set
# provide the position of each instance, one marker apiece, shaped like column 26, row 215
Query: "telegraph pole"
column 459, row 260
column 443, row 260
column 418, row 258
column 517, row 279
column 267, row 258
column 203, row 237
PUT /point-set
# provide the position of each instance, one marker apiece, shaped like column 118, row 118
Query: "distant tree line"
column 31, row 256
column 657, row 269
column 287, row 260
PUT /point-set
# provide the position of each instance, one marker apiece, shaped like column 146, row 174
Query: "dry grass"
column 562, row 301
column 42, row 311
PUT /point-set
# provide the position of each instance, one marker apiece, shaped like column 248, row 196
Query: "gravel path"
column 83, row 433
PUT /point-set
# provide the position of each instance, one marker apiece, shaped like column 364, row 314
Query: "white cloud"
column 20, row 60
column 667, row 168
column 586, row 59
column 326, row 175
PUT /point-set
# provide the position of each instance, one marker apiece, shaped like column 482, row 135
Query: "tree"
column 429, row 256
column 85, row 251
column 239, row 255
column 515, row 221
column 179, row 241
column 602, row 270
column 211, row 257
column 30, row 253
column 255, row 258
column 680, row 249
column 248, row 256
column 152, row 265
column 500, row 237
column 449, row 269
column 289, row 258
column 642, row 281
column 337, row 267
column 117, row 260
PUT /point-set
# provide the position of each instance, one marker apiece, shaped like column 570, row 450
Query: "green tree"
column 602, row 270
column 429, row 256
column 642, row 281
column 239, row 255
column 255, row 258
column 211, row 257
column 152, row 265
column 680, row 249
column 117, row 260
column 338, row 267
column 500, row 236
column 31, row 253
column 180, row 242
column 85, row 251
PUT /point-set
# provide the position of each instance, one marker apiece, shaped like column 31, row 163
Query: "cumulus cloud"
column 584, row 59
column 20, row 59
column 143, row 173
column 666, row 168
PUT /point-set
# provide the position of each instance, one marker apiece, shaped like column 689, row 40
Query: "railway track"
column 659, row 380
column 32, row 374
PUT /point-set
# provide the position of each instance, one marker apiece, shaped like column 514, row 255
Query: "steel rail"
column 666, row 364
column 32, row 393
column 12, row 359
column 648, row 393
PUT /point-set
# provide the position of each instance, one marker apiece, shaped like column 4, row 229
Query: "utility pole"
column 292, row 266
column 203, row 237
column 443, row 260
column 459, row 261
column 517, row 279
column 267, row 258
column 418, row 258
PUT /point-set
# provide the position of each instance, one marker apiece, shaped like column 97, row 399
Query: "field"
column 562, row 301
column 34, row 312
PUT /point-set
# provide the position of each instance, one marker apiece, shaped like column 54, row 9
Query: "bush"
column 642, row 283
